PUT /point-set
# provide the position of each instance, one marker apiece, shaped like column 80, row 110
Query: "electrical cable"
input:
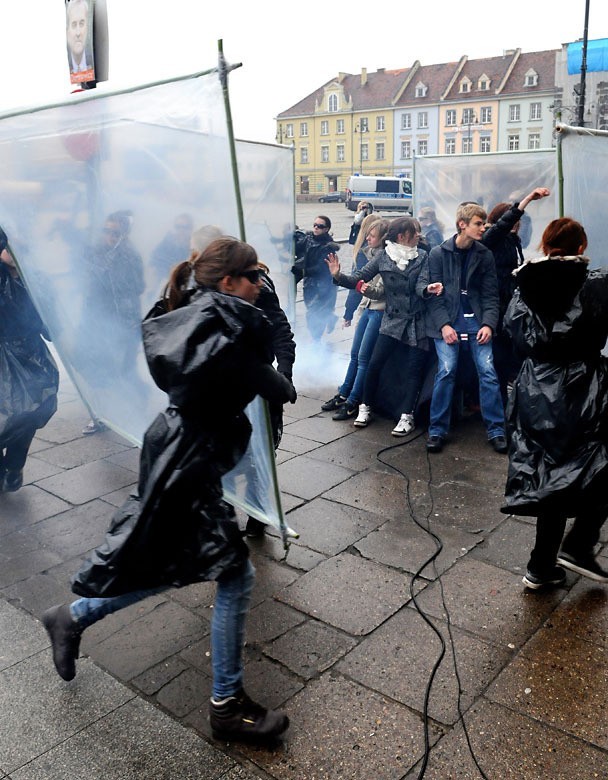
column 416, row 576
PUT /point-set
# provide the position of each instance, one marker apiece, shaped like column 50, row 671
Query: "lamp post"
column 471, row 119
column 361, row 128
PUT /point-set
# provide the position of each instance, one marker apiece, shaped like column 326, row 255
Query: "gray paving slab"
column 27, row 507
column 509, row 745
column 406, row 546
column 133, row 741
column 349, row 592
column 329, row 527
column 341, row 730
column 560, row 680
column 37, row 593
column 306, row 477
column 489, row 602
column 386, row 496
column 508, row 545
column 310, row 648
column 583, row 613
column 20, row 637
column 352, row 454
column 44, row 711
column 296, row 445
column 83, row 450
column 269, row 620
column 36, row 468
column 86, row 482
column 398, row 658
column 317, row 429
column 155, row 678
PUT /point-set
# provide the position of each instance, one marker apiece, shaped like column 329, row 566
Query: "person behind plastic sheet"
column 174, row 247
column 345, row 403
column 210, row 352
column 312, row 250
column 432, row 229
column 360, row 258
column 465, row 312
column 29, row 377
column 80, row 52
column 402, row 327
column 364, row 209
column 112, row 310
column 501, row 236
column 558, row 410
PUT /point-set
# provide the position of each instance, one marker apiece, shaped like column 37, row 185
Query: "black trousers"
column 414, row 361
column 14, row 454
column 579, row 541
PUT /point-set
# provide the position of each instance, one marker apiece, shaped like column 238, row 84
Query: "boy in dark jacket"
column 466, row 311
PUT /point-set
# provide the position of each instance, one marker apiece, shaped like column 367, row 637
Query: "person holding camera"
column 364, row 209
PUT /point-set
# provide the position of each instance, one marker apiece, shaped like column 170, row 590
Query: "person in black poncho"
column 28, row 375
column 558, row 410
column 209, row 349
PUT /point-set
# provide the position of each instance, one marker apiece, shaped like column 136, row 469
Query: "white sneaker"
column 404, row 426
column 365, row 413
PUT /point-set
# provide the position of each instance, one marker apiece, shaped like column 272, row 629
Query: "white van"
column 385, row 193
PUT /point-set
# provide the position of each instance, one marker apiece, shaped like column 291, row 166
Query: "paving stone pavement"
column 334, row 635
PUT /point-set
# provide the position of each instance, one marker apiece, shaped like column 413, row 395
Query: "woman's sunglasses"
column 252, row 276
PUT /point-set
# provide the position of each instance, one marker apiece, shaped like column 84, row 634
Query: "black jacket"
column 507, row 251
column 311, row 252
column 558, row 410
column 282, row 339
column 482, row 286
column 211, row 357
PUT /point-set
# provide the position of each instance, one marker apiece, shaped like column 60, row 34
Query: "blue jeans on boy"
column 227, row 624
column 364, row 340
column 490, row 399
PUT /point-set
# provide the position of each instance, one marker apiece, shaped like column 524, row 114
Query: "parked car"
column 332, row 197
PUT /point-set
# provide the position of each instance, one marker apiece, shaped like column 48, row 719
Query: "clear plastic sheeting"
column 443, row 182
column 99, row 198
column 585, row 169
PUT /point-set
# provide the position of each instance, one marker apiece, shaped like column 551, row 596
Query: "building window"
column 340, row 126
column 406, row 121
column 531, row 78
column 483, row 86
column 304, row 155
column 303, row 129
column 514, row 113
column 364, row 152
column 484, row 143
column 423, row 148
column 289, row 130
column 512, row 143
column 340, row 152
column 363, row 125
column 380, row 124
column 465, row 85
column 332, row 103
column 325, row 154
column 535, row 110
column 325, row 127
column 468, row 116
column 380, row 151
column 450, row 117
column 423, row 119
column 534, row 141
column 406, row 150
column 486, row 115
column 450, row 146
column 467, row 145
column 304, row 185
column 421, row 90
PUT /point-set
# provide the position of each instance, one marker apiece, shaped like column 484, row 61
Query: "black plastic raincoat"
column 558, row 410
column 211, row 357
column 28, row 374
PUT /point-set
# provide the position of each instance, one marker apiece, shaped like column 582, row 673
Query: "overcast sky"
column 287, row 51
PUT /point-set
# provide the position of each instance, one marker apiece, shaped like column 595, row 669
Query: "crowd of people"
column 534, row 330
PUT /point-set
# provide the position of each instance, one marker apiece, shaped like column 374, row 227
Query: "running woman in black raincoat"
column 209, row 350
column 558, row 410
column 28, row 375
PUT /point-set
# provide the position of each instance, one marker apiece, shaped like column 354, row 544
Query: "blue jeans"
column 227, row 624
column 490, row 399
column 364, row 340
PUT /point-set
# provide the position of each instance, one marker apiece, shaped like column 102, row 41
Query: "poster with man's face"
column 79, row 38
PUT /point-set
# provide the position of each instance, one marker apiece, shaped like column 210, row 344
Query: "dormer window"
column 484, row 83
column 465, row 85
column 531, row 78
column 332, row 103
column 421, row 90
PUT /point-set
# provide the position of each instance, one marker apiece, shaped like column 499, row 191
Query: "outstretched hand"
column 536, row 194
column 333, row 264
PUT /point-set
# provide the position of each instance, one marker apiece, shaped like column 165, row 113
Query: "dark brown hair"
column 563, row 237
column 404, row 225
column 497, row 212
column 225, row 256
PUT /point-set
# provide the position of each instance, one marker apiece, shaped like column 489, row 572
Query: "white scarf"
column 401, row 254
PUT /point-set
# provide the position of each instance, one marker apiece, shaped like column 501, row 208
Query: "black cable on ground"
column 416, row 576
